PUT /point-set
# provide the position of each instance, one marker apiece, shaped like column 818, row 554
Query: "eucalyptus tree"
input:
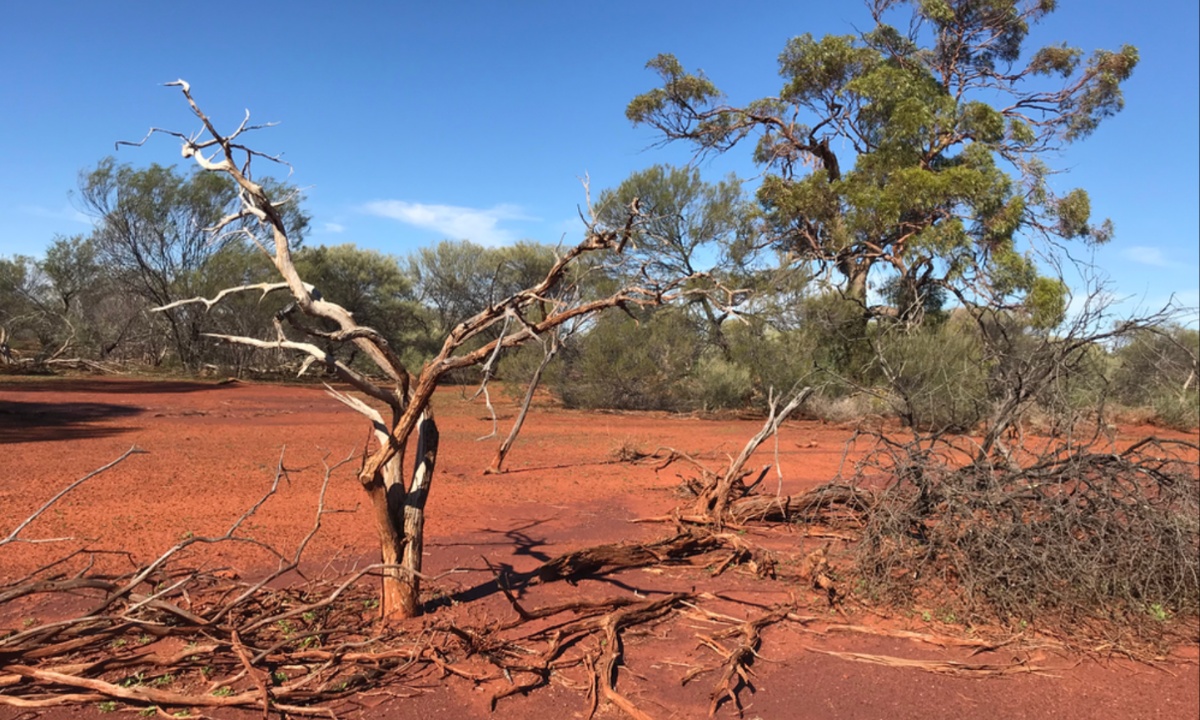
column 691, row 228
column 152, row 234
column 915, row 150
column 458, row 278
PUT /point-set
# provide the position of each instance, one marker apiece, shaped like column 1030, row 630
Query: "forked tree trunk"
column 408, row 600
column 387, row 499
column 714, row 500
column 400, row 522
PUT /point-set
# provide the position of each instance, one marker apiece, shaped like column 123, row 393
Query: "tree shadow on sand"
column 105, row 386
column 23, row 422
column 600, row 564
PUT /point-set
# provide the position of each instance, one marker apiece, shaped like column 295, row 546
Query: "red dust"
column 213, row 449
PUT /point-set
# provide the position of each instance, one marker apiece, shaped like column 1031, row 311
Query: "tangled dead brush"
column 1069, row 532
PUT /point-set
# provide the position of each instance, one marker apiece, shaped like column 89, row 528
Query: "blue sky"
column 412, row 122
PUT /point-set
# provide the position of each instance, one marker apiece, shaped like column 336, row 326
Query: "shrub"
column 623, row 364
column 937, row 377
column 1158, row 369
column 720, row 384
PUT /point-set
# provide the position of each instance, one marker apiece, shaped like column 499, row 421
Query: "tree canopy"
column 916, row 148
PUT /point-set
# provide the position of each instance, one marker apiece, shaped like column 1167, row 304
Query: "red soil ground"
column 213, row 449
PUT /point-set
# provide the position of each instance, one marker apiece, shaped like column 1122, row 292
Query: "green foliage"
column 939, row 164
column 22, row 309
column 678, row 87
column 1158, row 369
column 720, row 384
column 1047, row 303
column 688, row 227
column 458, row 278
column 374, row 288
column 773, row 359
column 71, row 268
column 628, row 364
column 152, row 237
column 937, row 376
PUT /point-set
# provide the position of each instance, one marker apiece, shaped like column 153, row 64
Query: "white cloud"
column 452, row 221
column 1146, row 255
column 334, row 228
column 66, row 212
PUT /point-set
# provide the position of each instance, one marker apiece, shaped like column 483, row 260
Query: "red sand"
column 213, row 450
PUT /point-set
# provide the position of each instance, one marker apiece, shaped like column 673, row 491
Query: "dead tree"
column 535, row 312
column 549, row 351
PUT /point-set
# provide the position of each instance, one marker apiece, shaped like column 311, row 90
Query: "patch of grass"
column 107, row 706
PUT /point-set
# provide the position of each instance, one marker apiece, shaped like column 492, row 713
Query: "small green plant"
column 182, row 713
column 28, row 622
column 118, row 643
column 206, row 671
column 133, row 680
column 148, row 711
column 1158, row 612
column 223, row 691
column 309, row 616
column 107, row 706
column 310, row 641
column 279, row 676
column 371, row 603
column 164, row 680
column 286, row 628
column 926, row 616
column 145, row 639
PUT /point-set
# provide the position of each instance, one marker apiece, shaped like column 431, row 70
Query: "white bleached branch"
column 265, row 288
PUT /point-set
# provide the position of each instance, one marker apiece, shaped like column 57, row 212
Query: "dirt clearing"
column 213, row 449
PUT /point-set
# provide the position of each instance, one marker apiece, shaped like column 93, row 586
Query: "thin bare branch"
column 14, row 535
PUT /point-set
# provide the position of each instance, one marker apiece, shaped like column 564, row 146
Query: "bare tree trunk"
column 498, row 462
column 408, row 601
column 399, row 511
column 715, row 500
column 386, row 492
